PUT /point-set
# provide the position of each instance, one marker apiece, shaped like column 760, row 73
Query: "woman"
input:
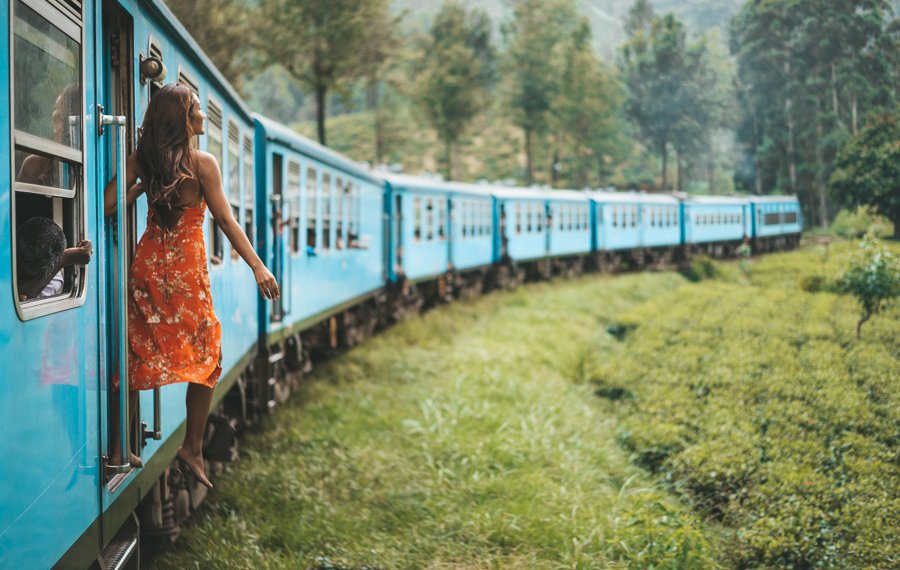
column 173, row 334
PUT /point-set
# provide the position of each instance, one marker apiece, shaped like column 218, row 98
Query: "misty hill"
column 607, row 17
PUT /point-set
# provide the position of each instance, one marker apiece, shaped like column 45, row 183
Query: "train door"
column 123, row 432
column 278, row 224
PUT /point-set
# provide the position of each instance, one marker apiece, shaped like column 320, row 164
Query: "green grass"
column 463, row 439
column 638, row 421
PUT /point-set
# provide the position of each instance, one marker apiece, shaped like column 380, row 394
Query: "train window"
column 291, row 209
column 417, row 213
column 772, row 218
column 442, row 214
column 312, row 190
column 326, row 211
column 47, row 119
column 539, row 218
column 518, row 217
column 249, row 189
column 790, row 217
column 234, row 174
column 340, row 210
column 214, row 146
column 429, row 219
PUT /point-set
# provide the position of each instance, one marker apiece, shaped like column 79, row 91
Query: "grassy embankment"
column 455, row 440
column 471, row 438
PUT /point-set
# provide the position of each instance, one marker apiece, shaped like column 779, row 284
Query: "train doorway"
column 116, row 141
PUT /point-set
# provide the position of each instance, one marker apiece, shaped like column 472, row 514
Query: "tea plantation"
column 751, row 396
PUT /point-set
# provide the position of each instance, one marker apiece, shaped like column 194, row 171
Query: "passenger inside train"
column 42, row 256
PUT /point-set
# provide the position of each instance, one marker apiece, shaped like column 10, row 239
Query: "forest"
column 729, row 97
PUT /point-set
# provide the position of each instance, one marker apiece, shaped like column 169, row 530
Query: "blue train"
column 352, row 249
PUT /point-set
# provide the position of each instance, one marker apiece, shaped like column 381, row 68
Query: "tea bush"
column 860, row 222
column 756, row 402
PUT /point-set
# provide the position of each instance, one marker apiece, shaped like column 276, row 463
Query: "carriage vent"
column 71, row 7
column 185, row 79
column 234, row 136
column 214, row 114
column 155, row 50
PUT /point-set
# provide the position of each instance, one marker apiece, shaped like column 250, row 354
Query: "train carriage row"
column 352, row 249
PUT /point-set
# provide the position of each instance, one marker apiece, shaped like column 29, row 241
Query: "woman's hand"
column 266, row 282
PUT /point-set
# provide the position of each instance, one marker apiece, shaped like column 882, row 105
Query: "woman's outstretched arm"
column 110, row 197
column 211, row 186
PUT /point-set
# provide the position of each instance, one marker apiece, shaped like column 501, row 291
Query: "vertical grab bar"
column 122, row 267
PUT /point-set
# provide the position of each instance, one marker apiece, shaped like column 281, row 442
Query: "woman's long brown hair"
column 164, row 146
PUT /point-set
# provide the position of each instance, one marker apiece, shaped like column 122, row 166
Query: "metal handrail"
column 122, row 266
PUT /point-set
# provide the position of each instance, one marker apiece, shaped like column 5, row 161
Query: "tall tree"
column 324, row 44
column 218, row 26
column 868, row 168
column 456, row 68
column 530, row 68
column 656, row 66
column 807, row 70
column 584, row 113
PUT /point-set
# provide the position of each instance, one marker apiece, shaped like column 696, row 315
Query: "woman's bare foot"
column 196, row 465
column 133, row 460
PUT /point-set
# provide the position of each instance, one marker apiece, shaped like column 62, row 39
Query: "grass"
column 466, row 438
column 639, row 421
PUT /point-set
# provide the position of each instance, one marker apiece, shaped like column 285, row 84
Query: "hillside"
column 607, row 17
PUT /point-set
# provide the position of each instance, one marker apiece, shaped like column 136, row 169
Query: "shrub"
column 858, row 223
column 701, row 267
column 873, row 278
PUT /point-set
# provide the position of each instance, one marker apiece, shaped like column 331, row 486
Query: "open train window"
column 292, row 205
column 249, row 190
column 339, row 213
column 214, row 147
column 326, row 211
column 441, row 215
column 48, row 206
column 234, row 174
column 790, row 218
column 518, row 217
column 417, row 218
column 312, row 185
column 429, row 219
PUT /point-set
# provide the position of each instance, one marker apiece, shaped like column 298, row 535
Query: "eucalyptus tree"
column 530, row 65
column 584, row 113
column 456, row 68
column 324, row 44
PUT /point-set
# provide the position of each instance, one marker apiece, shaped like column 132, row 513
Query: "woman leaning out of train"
column 173, row 333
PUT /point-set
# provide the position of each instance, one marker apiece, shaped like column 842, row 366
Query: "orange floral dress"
column 173, row 333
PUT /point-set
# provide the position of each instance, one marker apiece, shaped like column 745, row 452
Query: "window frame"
column 214, row 110
column 292, row 200
column 77, row 295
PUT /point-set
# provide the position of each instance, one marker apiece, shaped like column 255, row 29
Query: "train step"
column 123, row 551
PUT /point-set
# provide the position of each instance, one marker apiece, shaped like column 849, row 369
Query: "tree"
column 218, row 26
column 656, row 67
column 456, row 69
column 868, row 169
column 532, row 37
column 324, row 44
column 584, row 113
column 806, row 71
column 873, row 278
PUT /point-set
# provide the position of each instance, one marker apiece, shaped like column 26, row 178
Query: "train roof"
column 631, row 197
column 432, row 185
column 277, row 132
column 772, row 199
column 718, row 200
column 539, row 194
column 181, row 35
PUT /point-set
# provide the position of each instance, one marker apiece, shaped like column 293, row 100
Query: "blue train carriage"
column 715, row 225
column 776, row 222
column 521, row 242
column 78, row 77
column 569, row 235
column 323, row 234
column 442, row 236
column 635, row 228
